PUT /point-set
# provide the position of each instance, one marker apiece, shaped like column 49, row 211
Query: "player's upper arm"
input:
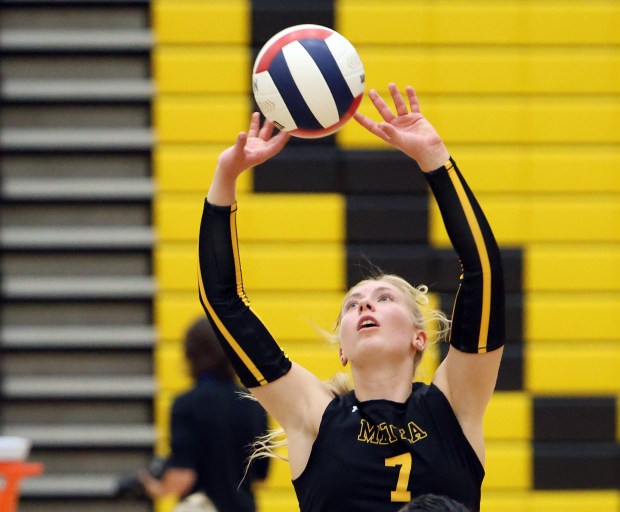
column 468, row 381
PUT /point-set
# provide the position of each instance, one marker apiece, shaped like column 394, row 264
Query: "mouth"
column 367, row 322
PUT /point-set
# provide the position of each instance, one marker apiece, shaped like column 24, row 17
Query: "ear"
column 420, row 340
column 343, row 358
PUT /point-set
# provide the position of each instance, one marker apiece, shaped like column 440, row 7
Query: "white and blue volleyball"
column 308, row 80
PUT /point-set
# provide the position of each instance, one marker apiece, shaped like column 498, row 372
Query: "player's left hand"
column 406, row 130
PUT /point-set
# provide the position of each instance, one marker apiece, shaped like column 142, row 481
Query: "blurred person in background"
column 212, row 429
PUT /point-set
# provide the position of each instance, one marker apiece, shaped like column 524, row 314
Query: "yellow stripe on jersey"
column 483, row 254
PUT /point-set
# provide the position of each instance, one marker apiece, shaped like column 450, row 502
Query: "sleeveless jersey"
column 377, row 455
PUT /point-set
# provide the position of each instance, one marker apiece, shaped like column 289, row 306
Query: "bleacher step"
column 76, row 139
column 77, row 337
column 41, row 90
column 74, row 485
column 71, row 288
column 84, row 436
column 82, row 387
column 103, row 238
column 56, row 189
column 75, row 41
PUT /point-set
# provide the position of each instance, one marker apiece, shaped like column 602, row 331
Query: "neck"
column 375, row 384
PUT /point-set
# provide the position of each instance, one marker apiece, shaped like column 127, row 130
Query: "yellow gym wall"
column 525, row 94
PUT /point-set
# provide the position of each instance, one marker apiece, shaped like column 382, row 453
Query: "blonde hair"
column 340, row 383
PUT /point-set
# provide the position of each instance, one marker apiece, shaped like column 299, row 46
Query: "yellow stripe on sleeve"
column 229, row 337
column 484, row 258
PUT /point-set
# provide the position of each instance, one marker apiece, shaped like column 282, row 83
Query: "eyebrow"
column 356, row 295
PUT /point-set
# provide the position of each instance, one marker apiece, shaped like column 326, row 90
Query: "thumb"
column 389, row 130
column 241, row 140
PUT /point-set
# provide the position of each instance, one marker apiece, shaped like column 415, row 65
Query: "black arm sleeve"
column 478, row 317
column 253, row 352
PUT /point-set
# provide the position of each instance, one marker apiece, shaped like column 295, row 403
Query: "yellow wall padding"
column 190, row 168
column 578, row 367
column 578, row 316
column 508, row 465
column 290, row 317
column 552, row 169
column 548, row 501
column 260, row 217
column 163, row 406
column 496, row 119
column 197, row 21
column 200, row 119
column 273, row 500
column 266, row 266
column 192, row 70
column 473, row 22
column 174, row 312
column 171, row 368
column 280, row 476
column 509, row 416
column 493, row 70
column 561, row 267
column 553, row 218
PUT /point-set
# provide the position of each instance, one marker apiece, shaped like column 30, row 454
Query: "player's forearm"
column 478, row 323
column 253, row 352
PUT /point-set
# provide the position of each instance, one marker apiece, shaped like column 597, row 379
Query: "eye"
column 385, row 297
column 350, row 305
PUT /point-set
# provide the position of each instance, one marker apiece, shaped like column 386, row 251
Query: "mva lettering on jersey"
column 384, row 433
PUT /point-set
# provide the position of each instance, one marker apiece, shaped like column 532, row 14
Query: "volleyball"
column 308, row 80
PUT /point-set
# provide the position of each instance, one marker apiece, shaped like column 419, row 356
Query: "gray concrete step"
column 44, row 166
column 84, row 436
column 54, row 337
column 76, row 189
column 75, row 40
column 76, row 139
column 78, row 288
column 101, row 237
column 74, row 485
column 73, row 411
column 65, row 387
column 16, row 90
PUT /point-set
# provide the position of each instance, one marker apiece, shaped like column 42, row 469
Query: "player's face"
column 376, row 317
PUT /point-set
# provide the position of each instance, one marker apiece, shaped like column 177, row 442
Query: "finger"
column 391, row 133
column 399, row 102
column 381, row 105
column 254, row 125
column 414, row 104
column 241, row 140
column 279, row 141
column 371, row 126
column 266, row 130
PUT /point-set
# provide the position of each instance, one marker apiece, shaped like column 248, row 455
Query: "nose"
column 366, row 304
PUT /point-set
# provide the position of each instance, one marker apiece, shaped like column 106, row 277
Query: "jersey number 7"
column 401, row 494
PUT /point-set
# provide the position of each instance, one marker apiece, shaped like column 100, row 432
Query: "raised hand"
column 406, row 130
column 252, row 148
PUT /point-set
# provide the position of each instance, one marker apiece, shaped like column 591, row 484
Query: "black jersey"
column 377, row 455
